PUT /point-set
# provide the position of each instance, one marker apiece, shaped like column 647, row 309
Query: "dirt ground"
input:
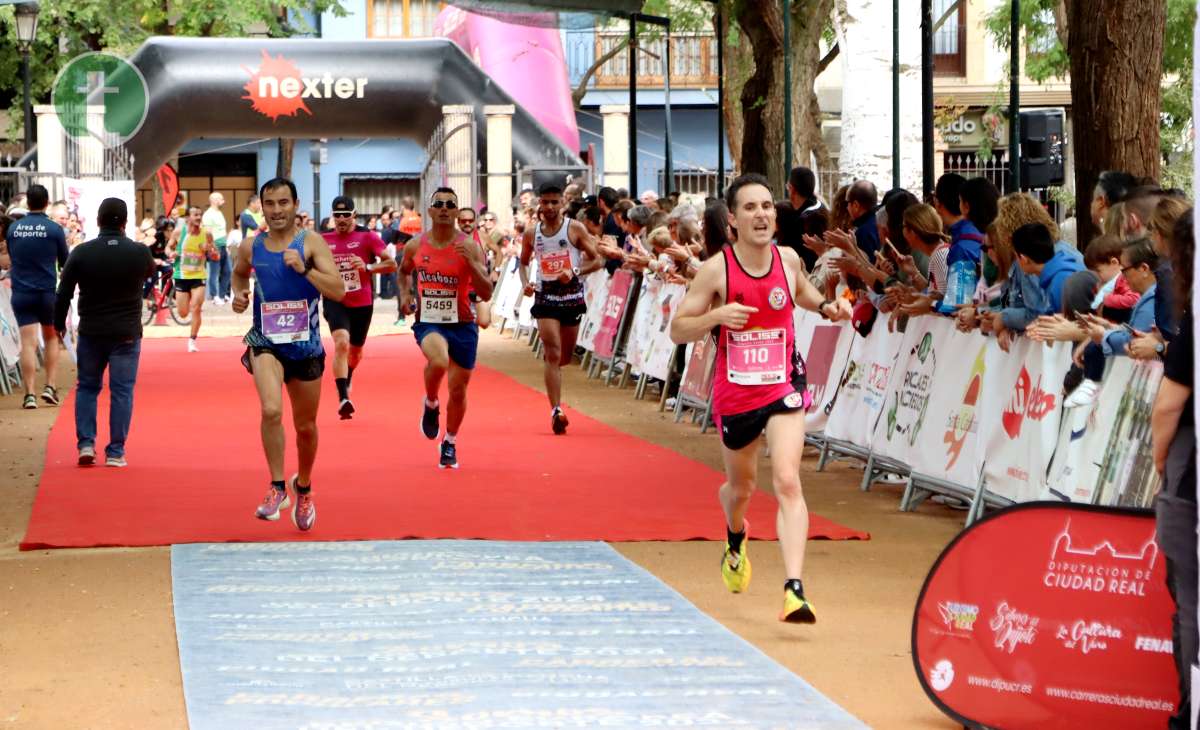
column 87, row 637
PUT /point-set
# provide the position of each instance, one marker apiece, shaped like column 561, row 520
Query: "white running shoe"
column 1084, row 395
column 192, row 345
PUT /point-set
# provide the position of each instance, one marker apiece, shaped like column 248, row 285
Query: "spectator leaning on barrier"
column 861, row 200
column 1022, row 299
column 109, row 271
column 1138, row 262
column 1174, row 444
column 1114, row 300
column 1036, row 256
column 1167, row 213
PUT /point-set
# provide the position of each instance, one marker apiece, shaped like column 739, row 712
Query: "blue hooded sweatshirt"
column 1054, row 274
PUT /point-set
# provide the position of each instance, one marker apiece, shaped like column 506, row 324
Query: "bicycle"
column 162, row 296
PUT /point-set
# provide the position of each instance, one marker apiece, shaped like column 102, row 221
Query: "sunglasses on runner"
column 444, row 204
column 343, row 214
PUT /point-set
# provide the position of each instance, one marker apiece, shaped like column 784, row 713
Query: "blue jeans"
column 120, row 357
column 219, row 272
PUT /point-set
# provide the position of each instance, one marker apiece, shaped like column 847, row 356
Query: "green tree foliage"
column 67, row 28
column 1046, row 55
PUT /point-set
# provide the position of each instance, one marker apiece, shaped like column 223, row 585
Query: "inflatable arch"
column 308, row 88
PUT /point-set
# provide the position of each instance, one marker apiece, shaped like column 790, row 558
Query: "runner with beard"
column 359, row 254
column 559, row 245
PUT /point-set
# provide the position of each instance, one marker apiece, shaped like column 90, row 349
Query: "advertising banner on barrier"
column 824, row 347
column 595, row 292
column 1020, row 415
column 860, row 395
column 1084, row 438
column 945, row 440
column 906, row 404
column 1049, row 615
column 611, row 314
column 639, row 325
column 658, row 348
column 698, row 372
column 10, row 334
column 1127, row 475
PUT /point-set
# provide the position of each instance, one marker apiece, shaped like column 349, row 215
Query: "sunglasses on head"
column 343, row 214
column 450, row 204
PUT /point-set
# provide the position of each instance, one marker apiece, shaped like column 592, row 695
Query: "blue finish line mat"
column 462, row 634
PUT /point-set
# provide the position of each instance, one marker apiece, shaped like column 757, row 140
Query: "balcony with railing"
column 693, row 59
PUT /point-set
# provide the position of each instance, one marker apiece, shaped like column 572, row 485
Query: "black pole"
column 927, row 96
column 787, row 88
column 669, row 172
column 1014, row 97
column 633, row 106
column 720, row 103
column 895, row 94
column 28, row 101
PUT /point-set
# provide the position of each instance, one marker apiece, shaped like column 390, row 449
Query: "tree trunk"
column 739, row 65
column 1115, row 51
column 283, row 165
column 582, row 88
column 761, row 98
column 808, row 21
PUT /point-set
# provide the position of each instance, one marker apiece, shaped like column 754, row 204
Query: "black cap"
column 343, row 202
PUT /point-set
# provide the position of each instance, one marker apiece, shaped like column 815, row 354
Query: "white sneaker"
column 1084, row 395
column 192, row 345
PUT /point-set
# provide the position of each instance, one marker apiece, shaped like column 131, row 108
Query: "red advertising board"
column 614, row 311
column 1049, row 615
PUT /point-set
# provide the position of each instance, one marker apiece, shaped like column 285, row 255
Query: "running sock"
column 343, row 387
column 735, row 539
column 451, row 437
column 280, row 485
column 306, row 490
column 795, row 585
column 431, row 403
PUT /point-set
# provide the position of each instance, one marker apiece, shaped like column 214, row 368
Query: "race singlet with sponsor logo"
column 554, row 252
column 285, row 303
column 443, row 283
column 757, row 357
column 191, row 256
column 347, row 265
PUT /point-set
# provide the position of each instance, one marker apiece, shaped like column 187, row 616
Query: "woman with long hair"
column 716, row 228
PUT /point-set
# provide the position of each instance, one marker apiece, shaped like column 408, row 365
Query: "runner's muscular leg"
column 456, row 409
column 355, row 356
column 437, row 360
column 268, row 381
column 305, row 396
column 568, row 337
column 550, row 330
column 182, row 303
column 29, row 345
column 785, row 435
column 341, row 353
column 741, row 477
column 195, row 306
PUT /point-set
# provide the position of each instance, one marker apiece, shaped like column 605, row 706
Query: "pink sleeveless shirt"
column 758, row 364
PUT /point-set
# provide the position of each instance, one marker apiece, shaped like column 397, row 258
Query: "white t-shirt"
column 214, row 222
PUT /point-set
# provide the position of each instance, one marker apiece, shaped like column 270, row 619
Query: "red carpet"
column 197, row 472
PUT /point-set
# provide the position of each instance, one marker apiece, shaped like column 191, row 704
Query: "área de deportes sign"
column 1049, row 615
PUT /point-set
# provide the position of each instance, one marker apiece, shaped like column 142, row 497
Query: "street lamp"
column 27, row 19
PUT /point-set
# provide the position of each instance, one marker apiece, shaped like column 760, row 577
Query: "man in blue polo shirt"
column 36, row 246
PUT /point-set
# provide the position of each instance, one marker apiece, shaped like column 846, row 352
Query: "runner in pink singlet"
column 745, row 298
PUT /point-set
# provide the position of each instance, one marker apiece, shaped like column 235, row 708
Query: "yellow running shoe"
column 796, row 609
column 735, row 567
